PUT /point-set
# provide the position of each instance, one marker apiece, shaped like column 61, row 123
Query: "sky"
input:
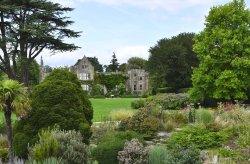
column 127, row 27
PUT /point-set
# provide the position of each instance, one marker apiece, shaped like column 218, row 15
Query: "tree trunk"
column 7, row 114
column 24, row 72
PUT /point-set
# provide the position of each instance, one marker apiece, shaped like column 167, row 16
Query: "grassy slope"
column 102, row 107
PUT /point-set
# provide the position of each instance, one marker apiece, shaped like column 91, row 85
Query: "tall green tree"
column 223, row 48
column 114, row 65
column 94, row 61
column 13, row 96
column 136, row 63
column 170, row 62
column 27, row 27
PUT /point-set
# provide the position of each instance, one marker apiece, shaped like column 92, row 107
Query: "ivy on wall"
column 110, row 80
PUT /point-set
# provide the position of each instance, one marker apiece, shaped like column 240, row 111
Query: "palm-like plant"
column 13, row 97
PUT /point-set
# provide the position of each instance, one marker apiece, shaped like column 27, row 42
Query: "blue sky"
column 128, row 27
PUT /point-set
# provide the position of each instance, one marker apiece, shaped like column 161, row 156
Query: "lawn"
column 103, row 107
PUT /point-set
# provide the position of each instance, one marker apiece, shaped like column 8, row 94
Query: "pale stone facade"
column 84, row 71
column 137, row 81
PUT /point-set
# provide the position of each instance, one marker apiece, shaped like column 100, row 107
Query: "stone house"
column 84, row 71
column 137, row 81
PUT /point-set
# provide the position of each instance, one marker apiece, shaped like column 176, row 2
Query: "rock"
column 163, row 134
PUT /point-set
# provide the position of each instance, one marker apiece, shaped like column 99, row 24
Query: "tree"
column 136, row 63
column 123, row 67
column 58, row 100
column 114, row 65
column 13, row 96
column 27, row 28
column 224, row 54
column 170, row 62
column 94, row 61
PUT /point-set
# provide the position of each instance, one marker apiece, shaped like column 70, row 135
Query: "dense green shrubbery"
column 137, row 104
column 3, row 148
column 172, row 101
column 59, row 100
column 144, row 123
column 158, row 155
column 198, row 136
column 110, row 144
column 66, row 145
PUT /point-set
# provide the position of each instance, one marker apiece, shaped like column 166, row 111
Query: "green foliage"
column 121, row 89
column 110, row 80
column 229, row 153
column 43, row 26
column 158, row 155
column 184, row 155
column 143, row 123
column 71, row 148
column 20, row 144
column 4, row 154
column 59, row 100
column 46, row 147
column 171, row 61
column 51, row 160
column 204, row 116
column 136, row 63
column 133, row 152
column 114, row 65
column 199, row 136
column 97, row 66
column 137, row 104
column 223, row 50
column 172, row 101
column 97, row 90
column 107, row 150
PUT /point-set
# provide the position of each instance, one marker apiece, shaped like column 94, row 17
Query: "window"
column 84, row 66
column 135, row 75
column 140, row 78
column 85, row 87
column 135, row 87
column 140, row 87
column 84, row 76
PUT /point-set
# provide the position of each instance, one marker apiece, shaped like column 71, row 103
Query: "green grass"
column 103, row 107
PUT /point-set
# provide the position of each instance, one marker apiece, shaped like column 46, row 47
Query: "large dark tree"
column 170, row 62
column 94, row 61
column 27, row 27
column 114, row 65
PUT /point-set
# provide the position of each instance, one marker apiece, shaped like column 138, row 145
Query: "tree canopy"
column 136, row 63
column 94, row 61
column 170, row 62
column 27, row 28
column 223, row 48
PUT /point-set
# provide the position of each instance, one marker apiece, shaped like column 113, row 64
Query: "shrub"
column 172, row 101
column 2, row 127
column 158, row 155
column 20, row 144
column 60, row 100
column 204, row 116
column 56, row 143
column 177, row 118
column 71, row 148
column 143, row 123
column 3, row 148
column 107, row 150
column 46, row 147
column 51, row 160
column 137, row 104
column 133, row 152
column 118, row 115
column 184, row 155
column 198, row 136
